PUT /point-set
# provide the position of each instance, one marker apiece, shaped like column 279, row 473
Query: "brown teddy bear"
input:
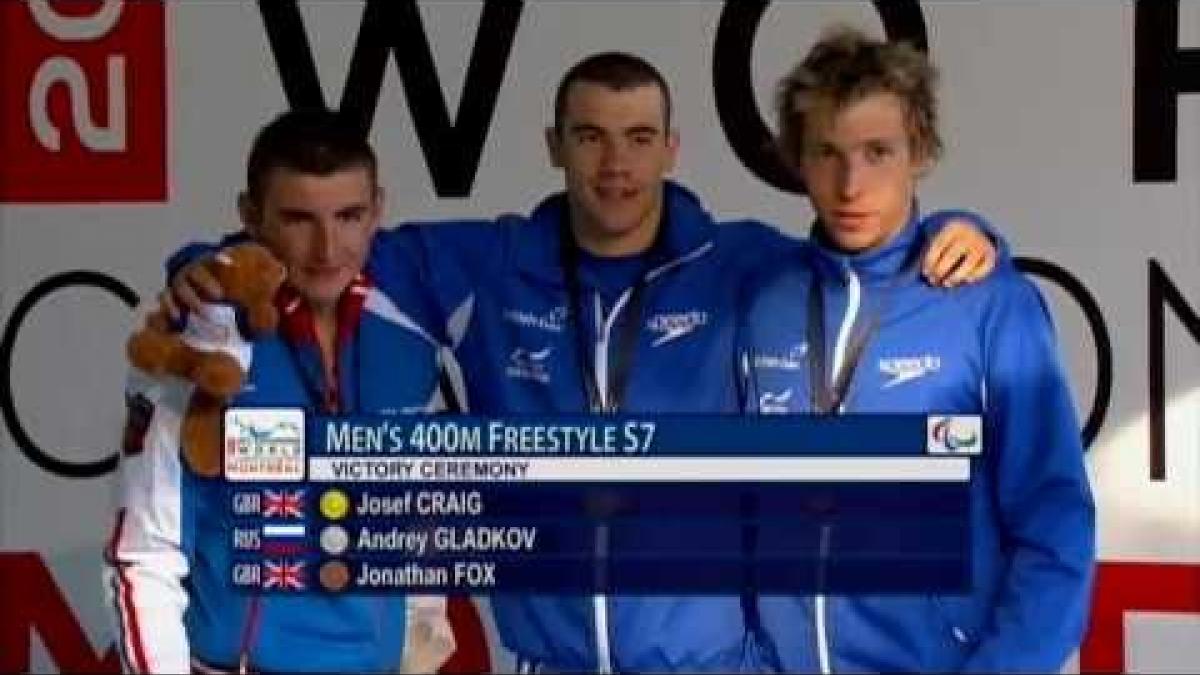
column 211, row 351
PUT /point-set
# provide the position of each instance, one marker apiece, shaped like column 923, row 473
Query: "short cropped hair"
column 313, row 141
column 846, row 66
column 618, row 71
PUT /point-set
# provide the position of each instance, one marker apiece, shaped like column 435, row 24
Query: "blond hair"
column 846, row 66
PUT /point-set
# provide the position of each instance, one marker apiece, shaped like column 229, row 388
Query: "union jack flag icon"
column 283, row 504
column 285, row 576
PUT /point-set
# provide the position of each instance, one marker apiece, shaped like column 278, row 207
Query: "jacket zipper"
column 853, row 302
column 605, row 324
column 600, row 600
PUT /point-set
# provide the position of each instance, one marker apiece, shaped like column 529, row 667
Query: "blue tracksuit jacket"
column 983, row 349
column 495, row 293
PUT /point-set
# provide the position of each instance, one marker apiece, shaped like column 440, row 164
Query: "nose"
column 325, row 240
column 851, row 178
column 614, row 157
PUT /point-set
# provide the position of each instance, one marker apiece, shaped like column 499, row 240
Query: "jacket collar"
column 687, row 232
column 296, row 322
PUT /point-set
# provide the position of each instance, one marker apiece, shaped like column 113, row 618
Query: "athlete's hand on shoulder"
column 960, row 254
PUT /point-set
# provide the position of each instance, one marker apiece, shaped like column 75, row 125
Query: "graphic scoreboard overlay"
column 659, row 504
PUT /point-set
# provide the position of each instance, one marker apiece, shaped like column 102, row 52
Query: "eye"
column 821, row 152
column 879, row 151
column 352, row 217
column 588, row 137
column 290, row 218
column 643, row 140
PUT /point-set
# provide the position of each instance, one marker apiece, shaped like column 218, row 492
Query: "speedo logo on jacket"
column 903, row 369
column 674, row 325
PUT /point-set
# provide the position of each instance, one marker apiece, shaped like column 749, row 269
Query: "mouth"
column 852, row 219
column 615, row 194
column 322, row 271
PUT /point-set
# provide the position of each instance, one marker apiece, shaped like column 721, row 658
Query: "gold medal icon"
column 335, row 504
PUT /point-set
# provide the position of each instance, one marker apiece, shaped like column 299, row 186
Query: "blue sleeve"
column 401, row 269
column 198, row 249
column 430, row 270
column 1033, row 449
column 398, row 263
column 933, row 223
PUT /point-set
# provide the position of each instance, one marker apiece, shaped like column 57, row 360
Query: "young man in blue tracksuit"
column 858, row 121
column 617, row 294
column 342, row 347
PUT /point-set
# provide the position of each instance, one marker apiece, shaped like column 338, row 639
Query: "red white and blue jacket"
column 169, row 557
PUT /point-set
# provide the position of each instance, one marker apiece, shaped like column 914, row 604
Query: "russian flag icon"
column 283, row 538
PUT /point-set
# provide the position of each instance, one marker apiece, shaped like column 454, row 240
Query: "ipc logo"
column 954, row 435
